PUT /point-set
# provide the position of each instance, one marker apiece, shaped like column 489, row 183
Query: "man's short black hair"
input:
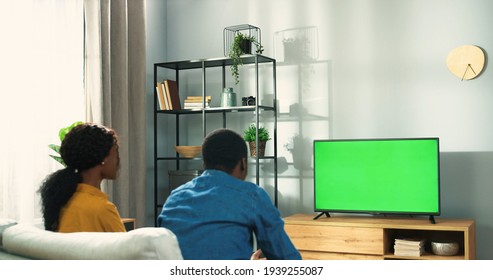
column 223, row 149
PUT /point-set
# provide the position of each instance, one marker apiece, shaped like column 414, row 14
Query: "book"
column 192, row 98
column 171, row 88
column 413, row 247
column 167, row 102
column 162, row 101
column 196, row 105
column 413, row 242
column 195, row 101
column 408, row 253
column 159, row 97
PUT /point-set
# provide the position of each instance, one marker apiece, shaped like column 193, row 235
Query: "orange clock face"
column 466, row 62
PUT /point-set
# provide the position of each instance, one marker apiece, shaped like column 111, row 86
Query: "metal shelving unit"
column 204, row 64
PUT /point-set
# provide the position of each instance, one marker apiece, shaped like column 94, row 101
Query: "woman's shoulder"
column 88, row 190
column 90, row 196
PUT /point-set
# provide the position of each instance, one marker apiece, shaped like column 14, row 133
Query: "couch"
column 24, row 241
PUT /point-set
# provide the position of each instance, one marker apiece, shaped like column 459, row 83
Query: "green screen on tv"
column 400, row 176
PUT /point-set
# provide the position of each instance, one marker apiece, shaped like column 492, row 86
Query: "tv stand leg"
column 432, row 219
column 319, row 215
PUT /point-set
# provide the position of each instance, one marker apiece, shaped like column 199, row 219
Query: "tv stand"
column 319, row 215
column 357, row 237
column 432, row 219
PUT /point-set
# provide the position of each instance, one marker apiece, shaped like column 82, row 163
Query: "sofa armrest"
column 4, row 255
column 5, row 224
column 138, row 244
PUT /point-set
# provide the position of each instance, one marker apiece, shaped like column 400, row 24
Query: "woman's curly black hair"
column 84, row 147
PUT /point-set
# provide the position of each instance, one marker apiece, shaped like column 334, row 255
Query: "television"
column 377, row 176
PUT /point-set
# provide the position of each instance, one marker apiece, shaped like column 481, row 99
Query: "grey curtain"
column 115, row 92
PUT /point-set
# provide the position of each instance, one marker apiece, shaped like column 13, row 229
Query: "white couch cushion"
column 4, row 224
column 138, row 244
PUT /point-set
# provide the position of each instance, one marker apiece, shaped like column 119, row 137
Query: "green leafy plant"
column 237, row 50
column 61, row 134
column 251, row 132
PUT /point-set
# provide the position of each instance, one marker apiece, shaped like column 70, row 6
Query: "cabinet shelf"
column 178, row 67
column 217, row 110
column 353, row 237
column 213, row 62
column 425, row 256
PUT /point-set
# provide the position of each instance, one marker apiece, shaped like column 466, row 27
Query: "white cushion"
column 138, row 244
column 4, row 224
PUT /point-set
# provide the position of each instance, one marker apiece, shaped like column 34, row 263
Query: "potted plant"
column 242, row 44
column 250, row 136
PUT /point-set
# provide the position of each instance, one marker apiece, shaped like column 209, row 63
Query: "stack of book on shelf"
column 167, row 95
column 194, row 102
column 413, row 247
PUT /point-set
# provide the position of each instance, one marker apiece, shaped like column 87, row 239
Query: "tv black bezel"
column 377, row 212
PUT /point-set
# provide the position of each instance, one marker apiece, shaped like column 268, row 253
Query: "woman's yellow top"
column 90, row 210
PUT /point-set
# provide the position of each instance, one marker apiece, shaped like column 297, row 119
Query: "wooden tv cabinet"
column 367, row 237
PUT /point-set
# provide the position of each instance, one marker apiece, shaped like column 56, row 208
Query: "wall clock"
column 466, row 62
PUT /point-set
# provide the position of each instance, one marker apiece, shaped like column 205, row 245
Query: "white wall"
column 371, row 68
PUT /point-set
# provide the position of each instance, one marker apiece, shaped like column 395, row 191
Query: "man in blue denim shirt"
column 215, row 215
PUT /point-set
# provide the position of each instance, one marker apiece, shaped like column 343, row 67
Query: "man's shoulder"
column 213, row 181
column 221, row 178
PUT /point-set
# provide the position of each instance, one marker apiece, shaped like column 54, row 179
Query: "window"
column 41, row 90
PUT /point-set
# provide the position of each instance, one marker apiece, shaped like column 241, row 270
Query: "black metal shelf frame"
column 203, row 64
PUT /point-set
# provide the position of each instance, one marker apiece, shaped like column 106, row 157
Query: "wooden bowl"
column 188, row 151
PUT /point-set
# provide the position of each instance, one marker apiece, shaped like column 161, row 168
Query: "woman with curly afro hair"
column 72, row 200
